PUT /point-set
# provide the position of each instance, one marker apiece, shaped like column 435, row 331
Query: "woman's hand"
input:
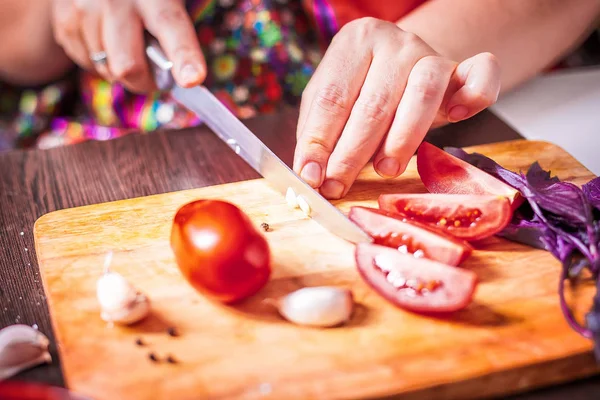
column 379, row 90
column 87, row 27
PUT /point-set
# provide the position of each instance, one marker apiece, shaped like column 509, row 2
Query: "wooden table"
column 36, row 182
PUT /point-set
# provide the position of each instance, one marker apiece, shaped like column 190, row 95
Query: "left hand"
column 380, row 89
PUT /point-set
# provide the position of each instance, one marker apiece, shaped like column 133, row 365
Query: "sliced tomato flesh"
column 410, row 237
column 441, row 172
column 467, row 217
column 418, row 285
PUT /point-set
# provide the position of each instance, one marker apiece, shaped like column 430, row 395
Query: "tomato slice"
column 467, row 217
column 419, row 240
column 441, row 172
column 418, row 285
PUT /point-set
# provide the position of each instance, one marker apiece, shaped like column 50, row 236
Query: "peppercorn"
column 172, row 331
column 265, row 226
column 171, row 360
column 153, row 357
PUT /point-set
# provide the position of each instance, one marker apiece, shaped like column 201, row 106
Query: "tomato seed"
column 400, row 282
column 459, row 218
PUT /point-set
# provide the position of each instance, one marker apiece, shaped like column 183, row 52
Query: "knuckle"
column 168, row 16
column 426, row 81
column 365, row 26
column 66, row 27
column 345, row 167
column 410, row 39
column 374, row 107
column 315, row 145
column 126, row 70
column 333, row 99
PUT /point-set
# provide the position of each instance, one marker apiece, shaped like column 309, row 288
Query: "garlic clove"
column 120, row 302
column 303, row 204
column 290, row 197
column 114, row 292
column 130, row 314
column 323, row 306
column 21, row 347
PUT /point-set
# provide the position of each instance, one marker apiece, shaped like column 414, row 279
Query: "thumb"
column 478, row 82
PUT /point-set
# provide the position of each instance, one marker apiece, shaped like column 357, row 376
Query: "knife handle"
column 160, row 65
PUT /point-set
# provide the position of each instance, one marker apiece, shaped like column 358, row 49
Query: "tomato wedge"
column 441, row 172
column 418, row 285
column 388, row 229
column 467, row 217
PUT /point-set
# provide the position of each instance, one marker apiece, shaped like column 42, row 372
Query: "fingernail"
column 388, row 167
column 332, row 189
column 457, row 113
column 311, row 173
column 189, row 74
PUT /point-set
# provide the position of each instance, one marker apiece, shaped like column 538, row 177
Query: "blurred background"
column 561, row 106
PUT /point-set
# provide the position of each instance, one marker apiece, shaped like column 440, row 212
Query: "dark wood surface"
column 36, row 182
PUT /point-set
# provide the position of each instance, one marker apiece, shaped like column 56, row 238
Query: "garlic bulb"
column 120, row 302
column 323, row 306
column 21, row 347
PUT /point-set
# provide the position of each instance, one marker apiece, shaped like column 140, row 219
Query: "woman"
column 391, row 69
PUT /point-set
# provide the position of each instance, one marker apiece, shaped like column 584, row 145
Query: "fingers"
column 337, row 83
column 67, row 33
column 478, row 79
column 305, row 103
column 369, row 121
column 420, row 103
column 169, row 22
column 91, row 29
column 122, row 35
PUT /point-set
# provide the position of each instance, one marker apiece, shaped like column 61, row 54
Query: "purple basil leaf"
column 537, row 176
column 559, row 217
column 526, row 228
column 592, row 192
column 563, row 199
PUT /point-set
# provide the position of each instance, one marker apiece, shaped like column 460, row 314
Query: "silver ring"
column 99, row 57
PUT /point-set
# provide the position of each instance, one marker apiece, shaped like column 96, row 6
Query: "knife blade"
column 251, row 149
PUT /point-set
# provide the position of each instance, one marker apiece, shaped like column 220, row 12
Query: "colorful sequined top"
column 260, row 55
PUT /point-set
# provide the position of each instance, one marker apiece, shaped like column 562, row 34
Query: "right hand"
column 85, row 27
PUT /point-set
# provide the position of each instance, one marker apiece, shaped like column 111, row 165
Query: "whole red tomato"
column 219, row 251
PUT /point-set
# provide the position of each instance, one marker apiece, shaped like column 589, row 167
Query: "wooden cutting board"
column 513, row 337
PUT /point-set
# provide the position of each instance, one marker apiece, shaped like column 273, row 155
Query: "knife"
column 251, row 149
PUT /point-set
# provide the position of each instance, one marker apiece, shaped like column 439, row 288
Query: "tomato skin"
column 219, row 251
column 389, row 229
column 442, row 172
column 452, row 289
column 442, row 210
column 21, row 390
